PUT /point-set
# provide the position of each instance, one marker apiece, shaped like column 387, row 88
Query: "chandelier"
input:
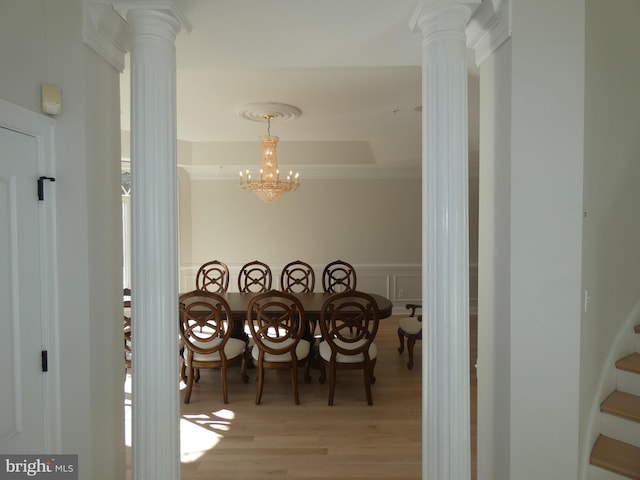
column 269, row 186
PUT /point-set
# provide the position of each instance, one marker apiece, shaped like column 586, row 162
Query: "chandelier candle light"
column 269, row 186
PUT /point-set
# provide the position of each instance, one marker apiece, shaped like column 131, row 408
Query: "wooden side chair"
column 297, row 277
column 213, row 277
column 254, row 277
column 349, row 324
column 277, row 323
column 338, row 276
column 127, row 333
column 205, row 330
column 411, row 328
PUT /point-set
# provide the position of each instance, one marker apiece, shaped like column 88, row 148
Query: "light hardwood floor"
column 281, row 440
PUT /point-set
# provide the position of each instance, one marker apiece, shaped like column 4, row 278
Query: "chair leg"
column 323, row 373
column 294, row 383
column 367, row 374
column 183, row 372
column 332, row 384
column 225, row 388
column 260, row 383
column 307, row 366
column 401, row 338
column 187, row 393
column 372, row 376
column 243, row 371
column 411, row 341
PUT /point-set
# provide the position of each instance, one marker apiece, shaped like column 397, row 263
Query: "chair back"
column 213, row 277
column 205, row 323
column 254, row 277
column 349, row 323
column 276, row 322
column 338, row 276
column 297, row 277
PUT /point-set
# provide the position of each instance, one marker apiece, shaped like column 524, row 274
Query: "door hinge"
column 45, row 361
column 41, row 186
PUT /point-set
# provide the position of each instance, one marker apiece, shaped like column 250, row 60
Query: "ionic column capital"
column 433, row 16
column 160, row 10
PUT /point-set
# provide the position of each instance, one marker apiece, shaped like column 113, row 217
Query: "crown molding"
column 106, row 33
column 489, row 28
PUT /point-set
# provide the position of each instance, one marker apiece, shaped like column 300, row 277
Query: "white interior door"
column 22, row 382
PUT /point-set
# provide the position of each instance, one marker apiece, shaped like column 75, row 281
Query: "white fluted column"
column 155, row 394
column 446, row 435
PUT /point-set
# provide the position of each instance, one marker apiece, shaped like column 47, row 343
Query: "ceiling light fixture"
column 269, row 186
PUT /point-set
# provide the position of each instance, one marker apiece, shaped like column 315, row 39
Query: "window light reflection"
column 199, row 432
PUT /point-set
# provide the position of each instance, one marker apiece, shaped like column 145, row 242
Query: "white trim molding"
column 489, row 28
column 106, row 33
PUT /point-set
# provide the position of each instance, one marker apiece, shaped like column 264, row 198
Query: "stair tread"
column 630, row 363
column 622, row 404
column 616, row 456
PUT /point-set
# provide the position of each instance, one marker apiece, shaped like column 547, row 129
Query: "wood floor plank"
column 312, row 441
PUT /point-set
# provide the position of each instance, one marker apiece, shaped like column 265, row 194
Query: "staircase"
column 616, row 451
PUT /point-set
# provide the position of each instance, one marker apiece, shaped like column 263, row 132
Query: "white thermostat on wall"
column 51, row 99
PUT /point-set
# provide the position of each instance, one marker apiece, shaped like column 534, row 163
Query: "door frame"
column 41, row 128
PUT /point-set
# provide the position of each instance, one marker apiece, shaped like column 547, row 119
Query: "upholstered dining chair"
column 254, row 277
column 127, row 332
column 205, row 329
column 297, row 277
column 213, row 277
column 277, row 322
column 349, row 324
column 338, row 276
column 410, row 328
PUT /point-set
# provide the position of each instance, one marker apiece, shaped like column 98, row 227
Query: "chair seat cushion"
column 233, row 348
column 410, row 325
column 302, row 351
column 325, row 351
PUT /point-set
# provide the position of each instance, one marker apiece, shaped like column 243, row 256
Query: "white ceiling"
column 351, row 66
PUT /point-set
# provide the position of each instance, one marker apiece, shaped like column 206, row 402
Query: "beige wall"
column 372, row 224
column 360, row 221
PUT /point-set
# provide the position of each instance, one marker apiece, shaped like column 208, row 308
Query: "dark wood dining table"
column 311, row 302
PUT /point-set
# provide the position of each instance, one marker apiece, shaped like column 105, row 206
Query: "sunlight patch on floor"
column 202, row 432
column 198, row 433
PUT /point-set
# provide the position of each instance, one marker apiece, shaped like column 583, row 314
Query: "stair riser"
column 620, row 429
column 628, row 382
